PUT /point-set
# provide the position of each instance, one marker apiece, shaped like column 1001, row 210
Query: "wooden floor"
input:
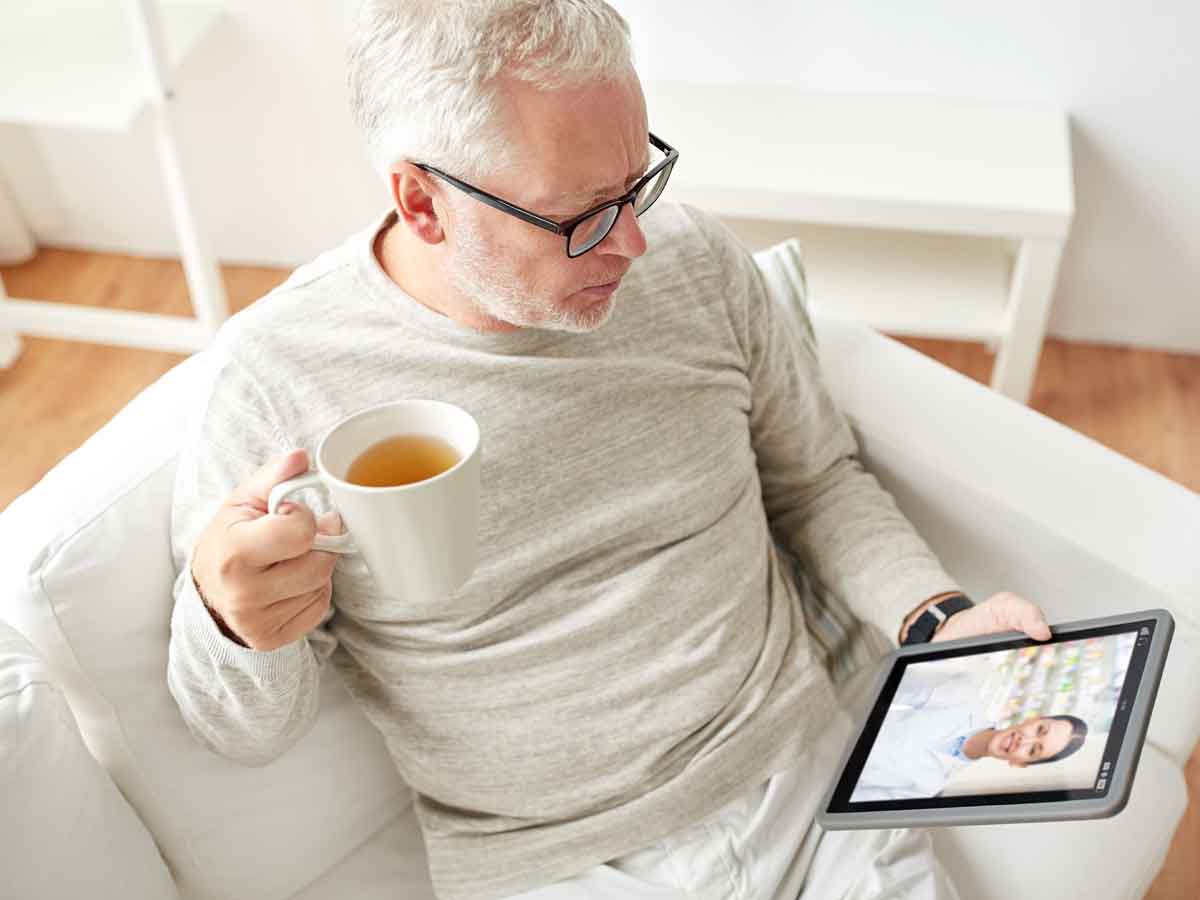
column 1141, row 403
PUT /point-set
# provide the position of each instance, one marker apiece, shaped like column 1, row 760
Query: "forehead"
column 574, row 141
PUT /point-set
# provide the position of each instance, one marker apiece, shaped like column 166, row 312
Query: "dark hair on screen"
column 1079, row 731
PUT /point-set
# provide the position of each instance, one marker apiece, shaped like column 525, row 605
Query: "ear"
column 412, row 193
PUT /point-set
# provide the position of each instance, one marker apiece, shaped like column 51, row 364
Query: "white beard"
column 480, row 276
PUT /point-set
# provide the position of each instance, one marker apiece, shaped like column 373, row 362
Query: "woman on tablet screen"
column 937, row 724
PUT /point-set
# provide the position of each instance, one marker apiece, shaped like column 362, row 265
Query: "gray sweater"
column 630, row 654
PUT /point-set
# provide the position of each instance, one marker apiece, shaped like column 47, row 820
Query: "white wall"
column 279, row 174
column 277, row 170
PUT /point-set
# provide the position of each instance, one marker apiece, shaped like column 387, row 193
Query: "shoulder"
column 677, row 230
column 315, row 292
column 697, row 275
column 277, row 308
column 691, row 251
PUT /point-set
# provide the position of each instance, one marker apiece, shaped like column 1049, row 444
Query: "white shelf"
column 77, row 64
column 901, row 282
column 929, row 164
column 984, row 190
column 94, row 64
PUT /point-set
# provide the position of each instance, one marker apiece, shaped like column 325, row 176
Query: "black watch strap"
column 921, row 631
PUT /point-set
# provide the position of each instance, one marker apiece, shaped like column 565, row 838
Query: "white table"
column 95, row 64
column 919, row 216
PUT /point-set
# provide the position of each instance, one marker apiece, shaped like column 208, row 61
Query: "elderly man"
column 622, row 701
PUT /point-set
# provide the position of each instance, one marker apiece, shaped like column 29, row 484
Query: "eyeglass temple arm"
column 495, row 202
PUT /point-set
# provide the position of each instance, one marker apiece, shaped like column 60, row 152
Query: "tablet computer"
column 1004, row 728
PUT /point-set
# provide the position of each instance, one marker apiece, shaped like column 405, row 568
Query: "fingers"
column 304, row 585
column 1017, row 613
column 296, row 618
column 305, row 573
column 257, row 488
column 267, row 539
column 279, row 625
column 330, row 523
column 293, row 577
column 1034, row 623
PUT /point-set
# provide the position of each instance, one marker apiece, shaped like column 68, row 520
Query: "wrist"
column 933, row 616
column 217, row 618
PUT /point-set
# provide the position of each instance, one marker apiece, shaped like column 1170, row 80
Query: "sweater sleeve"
column 822, row 504
column 247, row 705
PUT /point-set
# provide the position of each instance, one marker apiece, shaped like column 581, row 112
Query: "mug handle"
column 333, row 543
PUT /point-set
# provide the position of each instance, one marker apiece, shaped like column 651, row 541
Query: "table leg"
column 1029, row 298
column 10, row 341
column 200, row 268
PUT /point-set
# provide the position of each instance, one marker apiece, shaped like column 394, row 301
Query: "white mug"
column 419, row 540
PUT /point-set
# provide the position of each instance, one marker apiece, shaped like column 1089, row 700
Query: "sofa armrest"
column 1011, row 500
column 66, row 829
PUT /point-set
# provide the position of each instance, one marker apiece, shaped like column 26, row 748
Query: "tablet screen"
column 1023, row 721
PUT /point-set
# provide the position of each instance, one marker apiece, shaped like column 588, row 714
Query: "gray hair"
column 423, row 73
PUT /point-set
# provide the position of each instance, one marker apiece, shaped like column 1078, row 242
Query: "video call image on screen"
column 1030, row 719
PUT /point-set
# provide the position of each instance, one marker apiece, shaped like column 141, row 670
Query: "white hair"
column 423, row 73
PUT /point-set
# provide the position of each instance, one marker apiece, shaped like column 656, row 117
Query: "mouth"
column 1011, row 743
column 599, row 291
column 608, row 284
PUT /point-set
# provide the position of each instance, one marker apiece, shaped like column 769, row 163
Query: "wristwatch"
column 921, row 631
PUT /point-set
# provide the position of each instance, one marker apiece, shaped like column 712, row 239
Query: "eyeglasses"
column 585, row 231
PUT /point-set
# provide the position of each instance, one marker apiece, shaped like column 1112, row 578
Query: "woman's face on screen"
column 1032, row 740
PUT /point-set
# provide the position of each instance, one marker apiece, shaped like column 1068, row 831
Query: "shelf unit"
column 920, row 216
column 76, row 64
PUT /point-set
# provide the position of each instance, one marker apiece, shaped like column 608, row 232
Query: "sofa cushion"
column 390, row 866
column 87, row 577
column 66, row 830
column 1114, row 857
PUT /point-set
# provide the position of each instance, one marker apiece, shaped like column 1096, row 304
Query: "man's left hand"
column 1005, row 611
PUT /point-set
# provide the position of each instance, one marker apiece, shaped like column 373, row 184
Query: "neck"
column 977, row 744
column 415, row 272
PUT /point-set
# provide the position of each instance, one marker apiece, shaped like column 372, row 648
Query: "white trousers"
column 766, row 846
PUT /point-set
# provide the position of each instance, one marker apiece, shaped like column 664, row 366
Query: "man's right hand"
column 257, row 573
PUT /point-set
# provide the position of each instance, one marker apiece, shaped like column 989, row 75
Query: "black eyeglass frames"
column 585, row 231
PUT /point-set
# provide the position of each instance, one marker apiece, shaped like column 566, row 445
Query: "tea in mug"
column 402, row 459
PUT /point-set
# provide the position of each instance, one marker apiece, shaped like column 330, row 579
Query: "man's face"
column 1030, row 741
column 576, row 148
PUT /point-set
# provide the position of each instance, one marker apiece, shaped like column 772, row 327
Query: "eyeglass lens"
column 593, row 230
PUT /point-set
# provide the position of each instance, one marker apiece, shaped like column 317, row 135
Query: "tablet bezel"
column 997, row 808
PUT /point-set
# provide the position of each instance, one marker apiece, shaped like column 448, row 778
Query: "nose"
column 626, row 238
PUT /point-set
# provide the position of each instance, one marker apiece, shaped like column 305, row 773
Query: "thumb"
column 255, row 490
column 1033, row 623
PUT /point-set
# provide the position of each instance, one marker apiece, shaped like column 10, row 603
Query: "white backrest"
column 86, row 576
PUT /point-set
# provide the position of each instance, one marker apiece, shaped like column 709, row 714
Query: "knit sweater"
column 630, row 653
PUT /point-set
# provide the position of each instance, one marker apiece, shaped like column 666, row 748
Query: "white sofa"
column 1008, row 498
